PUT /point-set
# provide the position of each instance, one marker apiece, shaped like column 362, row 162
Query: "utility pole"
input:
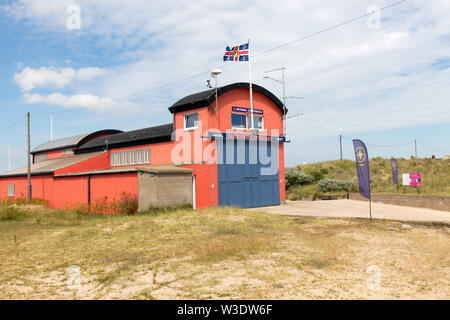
column 29, row 158
column 415, row 148
column 340, row 145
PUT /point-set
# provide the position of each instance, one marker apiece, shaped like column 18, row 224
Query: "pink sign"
column 415, row 179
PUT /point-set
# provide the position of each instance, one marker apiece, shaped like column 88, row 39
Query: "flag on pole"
column 237, row 53
column 242, row 53
column 362, row 168
column 394, row 170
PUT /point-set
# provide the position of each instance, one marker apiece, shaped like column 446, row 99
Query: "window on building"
column 40, row 157
column 67, row 151
column 238, row 120
column 11, row 190
column 129, row 158
column 191, row 121
column 258, row 122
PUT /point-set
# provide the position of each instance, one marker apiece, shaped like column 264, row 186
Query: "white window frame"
column 184, row 120
column 130, row 157
column 246, row 121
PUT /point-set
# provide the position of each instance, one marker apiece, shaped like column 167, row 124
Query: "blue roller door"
column 247, row 184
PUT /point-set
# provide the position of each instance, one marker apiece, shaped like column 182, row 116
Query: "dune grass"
column 216, row 253
column 435, row 176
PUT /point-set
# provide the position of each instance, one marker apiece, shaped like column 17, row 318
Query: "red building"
column 232, row 165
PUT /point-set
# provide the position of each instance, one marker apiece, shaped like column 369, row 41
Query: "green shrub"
column 330, row 185
column 318, row 174
column 8, row 212
column 295, row 177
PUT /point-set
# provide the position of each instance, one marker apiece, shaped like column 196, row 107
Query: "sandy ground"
column 357, row 209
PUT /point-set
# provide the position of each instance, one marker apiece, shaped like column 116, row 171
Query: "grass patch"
column 215, row 253
column 435, row 177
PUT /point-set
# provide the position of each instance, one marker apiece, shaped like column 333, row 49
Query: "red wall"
column 220, row 120
column 101, row 161
column 112, row 185
column 73, row 190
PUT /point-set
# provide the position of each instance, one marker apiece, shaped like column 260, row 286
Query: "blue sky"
column 382, row 79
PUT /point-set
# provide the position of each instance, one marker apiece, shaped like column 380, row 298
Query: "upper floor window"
column 132, row 157
column 191, row 121
column 40, row 157
column 239, row 121
column 258, row 122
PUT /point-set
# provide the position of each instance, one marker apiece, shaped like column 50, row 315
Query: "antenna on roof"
column 282, row 82
column 106, row 145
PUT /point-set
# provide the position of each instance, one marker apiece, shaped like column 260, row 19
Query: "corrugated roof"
column 152, row 169
column 70, row 142
column 51, row 165
column 205, row 98
column 129, row 138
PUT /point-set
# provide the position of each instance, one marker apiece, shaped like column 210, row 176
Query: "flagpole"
column 250, row 76
column 370, row 207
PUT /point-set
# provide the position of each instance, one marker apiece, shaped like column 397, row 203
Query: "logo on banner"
column 360, row 156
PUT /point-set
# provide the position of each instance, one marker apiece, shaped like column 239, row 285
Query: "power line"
column 431, row 148
column 328, row 29
column 12, row 125
column 228, row 65
column 385, row 145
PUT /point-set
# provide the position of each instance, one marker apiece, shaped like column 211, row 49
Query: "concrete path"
column 357, row 209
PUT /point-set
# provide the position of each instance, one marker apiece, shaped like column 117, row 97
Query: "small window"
column 67, row 151
column 40, row 157
column 11, row 190
column 191, row 121
column 258, row 122
column 133, row 157
column 238, row 120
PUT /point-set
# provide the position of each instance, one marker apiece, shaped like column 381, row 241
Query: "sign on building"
column 411, row 179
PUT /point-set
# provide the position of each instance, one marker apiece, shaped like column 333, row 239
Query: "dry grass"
column 218, row 253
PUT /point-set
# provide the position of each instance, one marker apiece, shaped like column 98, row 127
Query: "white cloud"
column 353, row 78
column 29, row 78
column 88, row 101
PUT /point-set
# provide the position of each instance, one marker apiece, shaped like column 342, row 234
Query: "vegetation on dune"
column 310, row 181
column 228, row 253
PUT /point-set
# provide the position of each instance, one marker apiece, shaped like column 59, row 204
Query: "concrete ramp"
column 357, row 209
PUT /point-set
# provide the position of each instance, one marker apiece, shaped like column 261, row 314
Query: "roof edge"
column 210, row 96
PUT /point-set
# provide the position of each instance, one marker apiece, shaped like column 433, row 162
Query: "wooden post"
column 29, row 158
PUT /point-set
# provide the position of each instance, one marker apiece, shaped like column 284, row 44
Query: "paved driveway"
column 357, row 209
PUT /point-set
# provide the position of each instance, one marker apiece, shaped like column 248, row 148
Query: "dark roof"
column 205, row 98
column 130, row 138
column 70, row 142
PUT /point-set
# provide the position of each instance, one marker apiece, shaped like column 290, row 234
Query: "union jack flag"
column 237, row 53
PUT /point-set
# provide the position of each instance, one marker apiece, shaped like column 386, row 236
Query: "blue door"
column 248, row 174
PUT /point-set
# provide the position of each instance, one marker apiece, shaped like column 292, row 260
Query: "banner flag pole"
column 250, row 76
